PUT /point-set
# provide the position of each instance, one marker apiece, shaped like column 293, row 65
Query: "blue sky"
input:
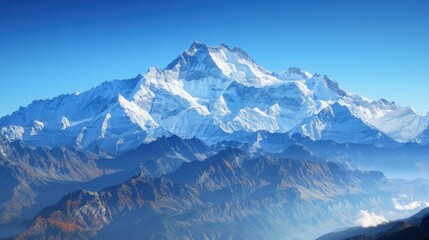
column 375, row 48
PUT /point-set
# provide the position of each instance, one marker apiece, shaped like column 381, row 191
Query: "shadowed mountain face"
column 229, row 195
column 24, row 171
column 415, row 227
column 160, row 157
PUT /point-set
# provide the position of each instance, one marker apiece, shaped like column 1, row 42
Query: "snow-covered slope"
column 401, row 124
column 337, row 123
column 209, row 93
column 424, row 136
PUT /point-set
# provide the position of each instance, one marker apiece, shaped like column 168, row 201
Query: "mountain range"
column 33, row 178
column 213, row 146
column 214, row 94
column 229, row 195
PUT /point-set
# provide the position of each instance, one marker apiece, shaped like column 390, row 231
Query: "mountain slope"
column 25, row 171
column 160, row 157
column 402, row 124
column 424, row 136
column 337, row 123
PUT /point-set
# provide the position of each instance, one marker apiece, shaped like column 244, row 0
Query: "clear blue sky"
column 376, row 48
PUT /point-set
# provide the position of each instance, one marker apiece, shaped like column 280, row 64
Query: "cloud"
column 369, row 219
column 400, row 204
column 409, row 206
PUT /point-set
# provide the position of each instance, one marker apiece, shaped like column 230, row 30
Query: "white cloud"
column 409, row 206
column 405, row 207
column 369, row 219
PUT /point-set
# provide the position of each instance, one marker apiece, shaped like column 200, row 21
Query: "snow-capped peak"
column 200, row 62
column 196, row 45
column 294, row 73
